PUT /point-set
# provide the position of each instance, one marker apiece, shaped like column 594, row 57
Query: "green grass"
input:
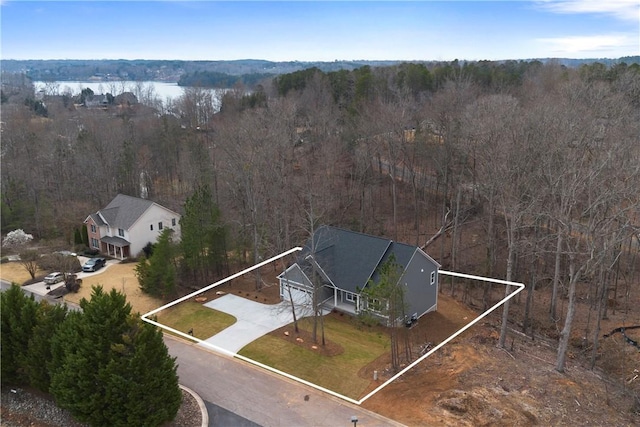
column 204, row 321
column 338, row 373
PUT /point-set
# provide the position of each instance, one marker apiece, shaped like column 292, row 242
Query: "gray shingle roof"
column 96, row 218
column 116, row 241
column 349, row 258
column 123, row 211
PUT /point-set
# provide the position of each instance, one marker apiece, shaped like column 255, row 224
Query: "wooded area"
column 545, row 157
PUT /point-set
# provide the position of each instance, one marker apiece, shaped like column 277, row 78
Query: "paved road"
column 4, row 285
column 259, row 396
column 220, row 417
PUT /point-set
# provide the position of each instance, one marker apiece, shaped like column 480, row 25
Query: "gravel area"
column 21, row 408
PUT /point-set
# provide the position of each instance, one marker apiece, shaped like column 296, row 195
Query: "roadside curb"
column 203, row 408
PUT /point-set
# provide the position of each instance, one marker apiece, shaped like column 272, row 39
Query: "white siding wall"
column 140, row 233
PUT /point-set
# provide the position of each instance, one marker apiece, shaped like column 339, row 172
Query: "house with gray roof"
column 125, row 226
column 343, row 263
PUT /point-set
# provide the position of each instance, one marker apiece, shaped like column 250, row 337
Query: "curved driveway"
column 253, row 320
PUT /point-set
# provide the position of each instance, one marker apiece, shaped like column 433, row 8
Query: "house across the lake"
column 346, row 262
column 125, row 226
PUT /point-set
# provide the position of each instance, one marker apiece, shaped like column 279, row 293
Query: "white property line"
column 220, row 282
column 520, row 287
column 145, row 318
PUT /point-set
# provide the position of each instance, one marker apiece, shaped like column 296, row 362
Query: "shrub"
column 59, row 262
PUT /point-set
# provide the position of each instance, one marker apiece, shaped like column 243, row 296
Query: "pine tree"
column 81, row 349
column 77, row 237
column 111, row 369
column 49, row 319
column 157, row 275
column 17, row 318
column 143, row 365
column 203, row 236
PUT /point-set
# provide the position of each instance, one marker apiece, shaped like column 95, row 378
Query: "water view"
column 148, row 92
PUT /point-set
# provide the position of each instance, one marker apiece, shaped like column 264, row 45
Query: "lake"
column 143, row 90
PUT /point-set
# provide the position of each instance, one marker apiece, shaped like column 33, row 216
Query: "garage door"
column 299, row 296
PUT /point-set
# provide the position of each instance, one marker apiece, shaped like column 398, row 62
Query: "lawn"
column 205, row 322
column 338, row 373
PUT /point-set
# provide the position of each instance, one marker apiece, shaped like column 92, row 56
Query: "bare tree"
column 506, row 161
column 29, row 260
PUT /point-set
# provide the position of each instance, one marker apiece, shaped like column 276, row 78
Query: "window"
column 151, row 227
column 376, row 305
column 93, row 228
column 350, row 297
column 173, row 222
column 120, row 232
column 433, row 277
column 160, row 225
column 95, row 243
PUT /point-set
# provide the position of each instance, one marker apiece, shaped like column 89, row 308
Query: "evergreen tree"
column 110, row 369
column 85, row 235
column 17, row 318
column 384, row 298
column 81, row 349
column 157, row 275
column 77, row 236
column 48, row 321
column 202, row 236
column 143, row 364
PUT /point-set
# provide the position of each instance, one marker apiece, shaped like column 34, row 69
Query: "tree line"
column 540, row 154
column 221, row 80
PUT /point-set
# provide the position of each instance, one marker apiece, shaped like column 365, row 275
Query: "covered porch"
column 115, row 247
column 343, row 301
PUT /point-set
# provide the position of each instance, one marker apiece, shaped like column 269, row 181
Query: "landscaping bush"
column 91, row 252
column 59, row 262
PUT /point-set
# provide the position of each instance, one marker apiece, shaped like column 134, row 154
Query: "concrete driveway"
column 253, row 321
column 40, row 288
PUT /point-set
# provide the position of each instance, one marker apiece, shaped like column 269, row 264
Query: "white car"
column 53, row 278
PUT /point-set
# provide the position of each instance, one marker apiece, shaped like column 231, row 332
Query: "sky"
column 319, row 30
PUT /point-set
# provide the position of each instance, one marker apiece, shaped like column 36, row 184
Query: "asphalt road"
column 259, row 396
column 220, row 417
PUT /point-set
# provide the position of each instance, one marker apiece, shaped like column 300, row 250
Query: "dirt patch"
column 471, row 382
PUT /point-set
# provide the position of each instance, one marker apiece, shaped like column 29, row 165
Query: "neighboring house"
column 127, row 224
column 96, row 101
column 345, row 262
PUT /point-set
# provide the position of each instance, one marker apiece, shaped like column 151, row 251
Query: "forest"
column 534, row 165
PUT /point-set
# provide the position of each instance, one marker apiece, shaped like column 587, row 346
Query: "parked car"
column 53, row 278
column 93, row 264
